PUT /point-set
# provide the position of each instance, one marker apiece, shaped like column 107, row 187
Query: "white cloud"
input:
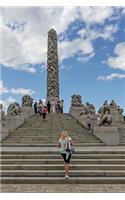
column 111, row 77
column 29, row 46
column 18, row 91
column 105, row 33
column 68, row 49
column 24, row 33
column 2, row 88
column 10, row 99
column 6, row 102
column 21, row 91
column 95, row 15
column 118, row 62
column 65, row 67
column 86, row 58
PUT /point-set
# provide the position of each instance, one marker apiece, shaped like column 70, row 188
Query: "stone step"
column 60, row 173
column 57, row 136
column 8, row 144
column 49, row 136
column 58, row 180
column 42, row 135
column 45, row 143
column 53, row 125
column 75, row 156
column 61, row 167
column 56, row 131
column 47, row 140
column 50, row 132
column 55, row 151
column 60, row 161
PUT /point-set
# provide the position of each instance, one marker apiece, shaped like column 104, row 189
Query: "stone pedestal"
column 4, row 132
column 93, row 118
column 13, row 122
column 27, row 112
column 75, row 111
column 109, row 135
column 117, row 119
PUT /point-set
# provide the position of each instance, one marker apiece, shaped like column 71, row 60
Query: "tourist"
column 61, row 105
column 64, row 139
column 58, row 106
column 35, row 107
column 48, row 106
column 44, row 112
column 40, row 107
column 88, row 123
column 53, row 106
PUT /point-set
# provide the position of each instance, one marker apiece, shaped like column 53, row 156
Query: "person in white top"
column 63, row 141
column 53, row 106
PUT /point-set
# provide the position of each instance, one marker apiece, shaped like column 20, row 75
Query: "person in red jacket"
column 44, row 112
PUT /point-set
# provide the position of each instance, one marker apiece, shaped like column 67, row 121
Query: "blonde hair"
column 64, row 134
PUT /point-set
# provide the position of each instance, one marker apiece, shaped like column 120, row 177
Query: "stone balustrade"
column 13, row 122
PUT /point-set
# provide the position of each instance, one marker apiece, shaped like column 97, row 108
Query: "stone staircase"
column 36, row 132
column 122, row 136
column 30, row 154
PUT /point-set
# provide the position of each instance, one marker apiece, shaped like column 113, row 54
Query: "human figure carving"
column 2, row 115
column 27, row 101
column 104, row 108
column 88, row 109
column 76, row 100
column 14, row 109
column 105, row 119
column 113, row 104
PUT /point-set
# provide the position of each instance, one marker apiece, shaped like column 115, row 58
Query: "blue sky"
column 91, row 46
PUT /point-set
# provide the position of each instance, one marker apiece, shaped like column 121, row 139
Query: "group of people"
column 51, row 107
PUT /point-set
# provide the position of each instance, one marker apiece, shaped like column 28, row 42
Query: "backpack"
column 69, row 147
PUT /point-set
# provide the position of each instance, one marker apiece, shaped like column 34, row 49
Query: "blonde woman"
column 64, row 139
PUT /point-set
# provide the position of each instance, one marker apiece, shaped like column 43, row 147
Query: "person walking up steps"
column 40, row 107
column 44, row 112
column 64, row 144
column 88, row 123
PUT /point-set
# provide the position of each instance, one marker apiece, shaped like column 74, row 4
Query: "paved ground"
column 63, row 188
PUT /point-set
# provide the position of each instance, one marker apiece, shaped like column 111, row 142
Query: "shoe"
column 67, row 177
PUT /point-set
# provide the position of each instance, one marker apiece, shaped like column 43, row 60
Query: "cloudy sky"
column 91, row 46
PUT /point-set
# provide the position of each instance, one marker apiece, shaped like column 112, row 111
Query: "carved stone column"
column 52, row 67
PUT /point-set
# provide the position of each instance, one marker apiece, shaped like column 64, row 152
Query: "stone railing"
column 109, row 135
column 13, row 122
